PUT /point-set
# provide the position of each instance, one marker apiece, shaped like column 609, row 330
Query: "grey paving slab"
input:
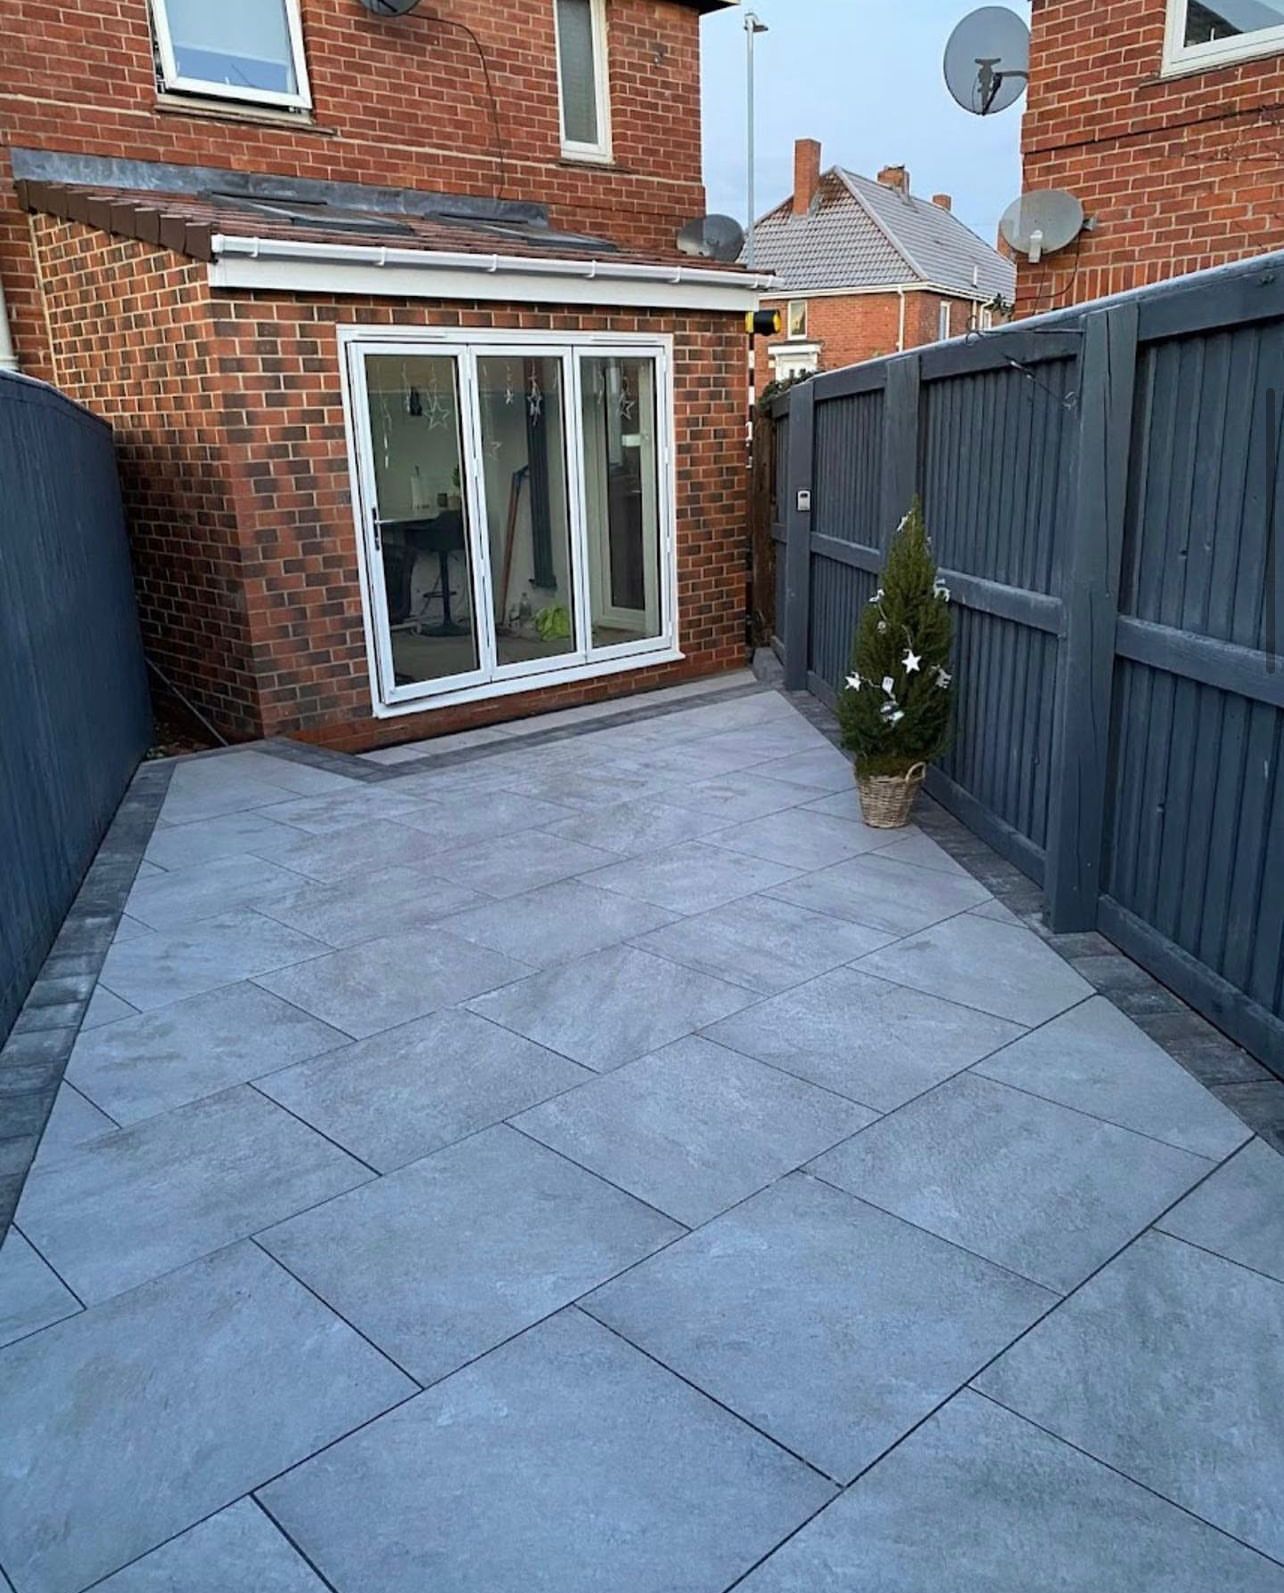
column 291, row 775
column 699, row 759
column 999, row 968
column 693, row 1128
column 152, row 969
column 763, row 944
column 379, row 846
column 612, row 1006
column 765, row 743
column 1096, row 1059
column 129, row 929
column 1166, row 1365
column 128, row 1207
column 587, row 787
column 874, row 1041
column 389, row 981
column 328, row 815
column 923, row 850
column 153, row 1062
column 883, row 894
column 507, row 865
column 825, row 770
column 230, row 835
column 453, row 820
column 564, row 1462
column 997, row 911
column 446, row 1258
column 73, row 1121
column 629, row 829
column 691, row 878
column 370, row 905
column 1239, row 1211
column 105, row 1008
column 1024, row 1182
column 187, row 1393
column 556, row 923
column 843, row 804
column 32, row 1296
column 237, row 1549
column 978, row 1499
column 738, row 797
column 800, row 839
column 205, row 890
column 829, row 1325
column 400, row 1095
column 191, row 799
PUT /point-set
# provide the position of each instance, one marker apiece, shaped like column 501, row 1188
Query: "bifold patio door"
column 516, row 506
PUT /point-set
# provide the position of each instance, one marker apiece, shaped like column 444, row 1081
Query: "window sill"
column 586, row 157
column 547, row 680
column 193, row 105
column 1175, row 70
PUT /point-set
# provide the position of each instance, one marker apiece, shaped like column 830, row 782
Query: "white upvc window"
column 943, row 324
column 796, row 319
column 250, row 50
column 583, row 78
column 1204, row 33
column 516, row 505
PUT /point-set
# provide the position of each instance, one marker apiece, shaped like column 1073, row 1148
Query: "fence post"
column 1090, row 599
column 900, row 443
column 798, row 489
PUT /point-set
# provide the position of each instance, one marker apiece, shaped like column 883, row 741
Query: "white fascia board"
column 280, row 265
column 976, row 296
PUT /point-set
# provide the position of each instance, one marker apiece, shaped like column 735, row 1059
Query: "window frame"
column 174, row 82
column 1181, row 58
column 573, row 149
column 588, row 662
column 800, row 335
column 944, row 321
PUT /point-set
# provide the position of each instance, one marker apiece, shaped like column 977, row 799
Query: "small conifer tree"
column 895, row 710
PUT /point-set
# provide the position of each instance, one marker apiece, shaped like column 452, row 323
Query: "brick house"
column 423, row 420
column 1164, row 118
column 866, row 268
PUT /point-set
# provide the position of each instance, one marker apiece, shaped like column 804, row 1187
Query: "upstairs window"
column 943, row 321
column 1205, row 33
column 796, row 321
column 237, row 49
column 582, row 77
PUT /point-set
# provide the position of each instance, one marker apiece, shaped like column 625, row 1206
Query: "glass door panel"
column 419, row 529
column 523, row 424
column 622, row 497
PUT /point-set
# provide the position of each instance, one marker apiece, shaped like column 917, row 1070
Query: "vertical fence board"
column 74, row 703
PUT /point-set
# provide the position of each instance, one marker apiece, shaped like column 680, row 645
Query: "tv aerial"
column 1041, row 222
column 713, row 238
column 987, row 60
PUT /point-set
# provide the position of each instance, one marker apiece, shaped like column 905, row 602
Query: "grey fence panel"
column 1101, row 486
column 73, row 690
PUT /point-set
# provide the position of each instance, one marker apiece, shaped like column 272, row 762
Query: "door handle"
column 376, row 530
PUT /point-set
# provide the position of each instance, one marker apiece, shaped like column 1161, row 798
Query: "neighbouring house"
column 1164, row 117
column 422, row 418
column 866, row 268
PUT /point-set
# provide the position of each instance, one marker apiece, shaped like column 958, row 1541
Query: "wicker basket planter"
column 886, row 800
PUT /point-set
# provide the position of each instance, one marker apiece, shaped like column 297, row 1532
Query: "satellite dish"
column 713, row 238
column 390, row 8
column 987, row 61
column 1041, row 222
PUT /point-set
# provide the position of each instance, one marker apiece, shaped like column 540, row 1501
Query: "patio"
column 583, row 1156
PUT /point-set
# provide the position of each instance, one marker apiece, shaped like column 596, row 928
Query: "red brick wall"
column 863, row 326
column 231, row 434
column 1179, row 173
column 400, row 102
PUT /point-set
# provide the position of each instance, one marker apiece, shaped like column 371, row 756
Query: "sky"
column 864, row 77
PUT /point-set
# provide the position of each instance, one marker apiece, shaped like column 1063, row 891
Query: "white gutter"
column 8, row 355
column 286, row 264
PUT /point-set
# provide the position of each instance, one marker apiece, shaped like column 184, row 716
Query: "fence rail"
column 1101, row 486
column 74, row 711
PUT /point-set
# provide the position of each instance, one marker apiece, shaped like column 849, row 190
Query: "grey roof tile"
column 863, row 234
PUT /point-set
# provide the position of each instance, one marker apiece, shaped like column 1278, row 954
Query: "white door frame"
column 464, row 345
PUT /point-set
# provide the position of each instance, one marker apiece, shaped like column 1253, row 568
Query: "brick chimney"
column 806, row 174
column 895, row 177
column 944, row 200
